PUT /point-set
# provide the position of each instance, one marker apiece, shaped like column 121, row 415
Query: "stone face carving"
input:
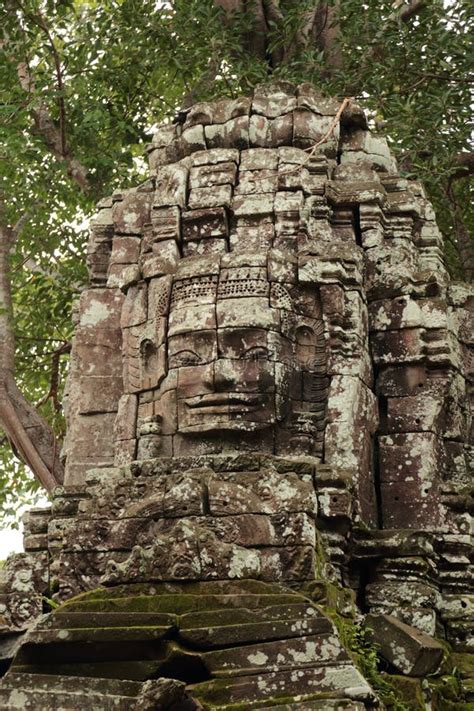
column 239, row 352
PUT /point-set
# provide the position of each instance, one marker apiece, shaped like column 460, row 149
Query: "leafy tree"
column 83, row 82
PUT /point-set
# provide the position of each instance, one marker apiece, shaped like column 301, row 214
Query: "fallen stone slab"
column 277, row 655
column 410, row 651
column 242, row 633
column 19, row 692
column 90, row 634
column 162, row 694
column 306, row 684
column 325, row 705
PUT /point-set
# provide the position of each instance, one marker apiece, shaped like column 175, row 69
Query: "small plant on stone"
column 356, row 638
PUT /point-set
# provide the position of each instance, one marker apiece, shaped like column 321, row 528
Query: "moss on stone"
column 409, row 691
column 212, row 695
column 356, row 640
column 330, row 597
column 464, row 661
column 448, row 692
column 176, row 603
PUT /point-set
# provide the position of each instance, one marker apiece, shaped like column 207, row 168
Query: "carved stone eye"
column 183, row 358
column 256, row 353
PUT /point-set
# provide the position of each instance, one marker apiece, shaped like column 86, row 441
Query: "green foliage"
column 105, row 73
column 356, row 639
column 49, row 604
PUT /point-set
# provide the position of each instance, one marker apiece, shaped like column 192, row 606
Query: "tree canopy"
column 83, row 83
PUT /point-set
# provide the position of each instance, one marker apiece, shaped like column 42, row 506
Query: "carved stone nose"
column 224, row 375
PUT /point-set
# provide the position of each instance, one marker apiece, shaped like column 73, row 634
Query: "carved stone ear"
column 153, row 363
column 305, row 349
column 147, row 350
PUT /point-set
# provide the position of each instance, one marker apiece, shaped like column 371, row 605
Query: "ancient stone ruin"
column 268, row 425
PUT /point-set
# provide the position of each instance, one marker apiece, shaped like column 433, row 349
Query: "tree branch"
column 54, row 381
column 321, row 26
column 39, row 21
column 44, row 126
column 263, row 12
column 29, row 434
column 463, row 237
column 407, row 10
column 465, row 165
column 304, row 34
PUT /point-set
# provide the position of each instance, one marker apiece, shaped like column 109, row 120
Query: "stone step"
column 65, row 619
column 109, row 669
column 244, row 615
column 77, row 620
column 178, row 603
column 278, row 655
column 94, row 634
column 70, row 684
column 323, row 705
column 33, row 700
column 43, row 692
column 198, row 588
column 241, row 633
column 335, row 682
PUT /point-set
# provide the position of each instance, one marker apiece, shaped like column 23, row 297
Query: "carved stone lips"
column 228, row 402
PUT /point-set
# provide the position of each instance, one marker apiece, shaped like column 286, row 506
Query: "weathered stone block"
column 231, row 134
column 257, row 181
column 216, row 196
column 155, row 265
column 165, row 223
column 125, row 250
column 125, row 423
column 131, row 213
column 410, row 651
column 192, row 139
column 200, row 224
column 214, row 174
column 258, row 159
column 171, row 186
column 96, row 351
column 100, row 308
column 413, row 414
column 135, row 307
column 99, row 393
column 273, row 105
column 214, row 156
column 309, row 128
column 255, row 204
column 202, row 247
column 259, row 132
column 398, row 346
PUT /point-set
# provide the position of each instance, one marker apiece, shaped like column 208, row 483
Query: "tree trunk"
column 30, row 434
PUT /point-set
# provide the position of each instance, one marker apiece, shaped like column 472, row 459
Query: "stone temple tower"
column 268, row 434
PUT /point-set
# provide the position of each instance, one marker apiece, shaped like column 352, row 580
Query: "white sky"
column 11, row 540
